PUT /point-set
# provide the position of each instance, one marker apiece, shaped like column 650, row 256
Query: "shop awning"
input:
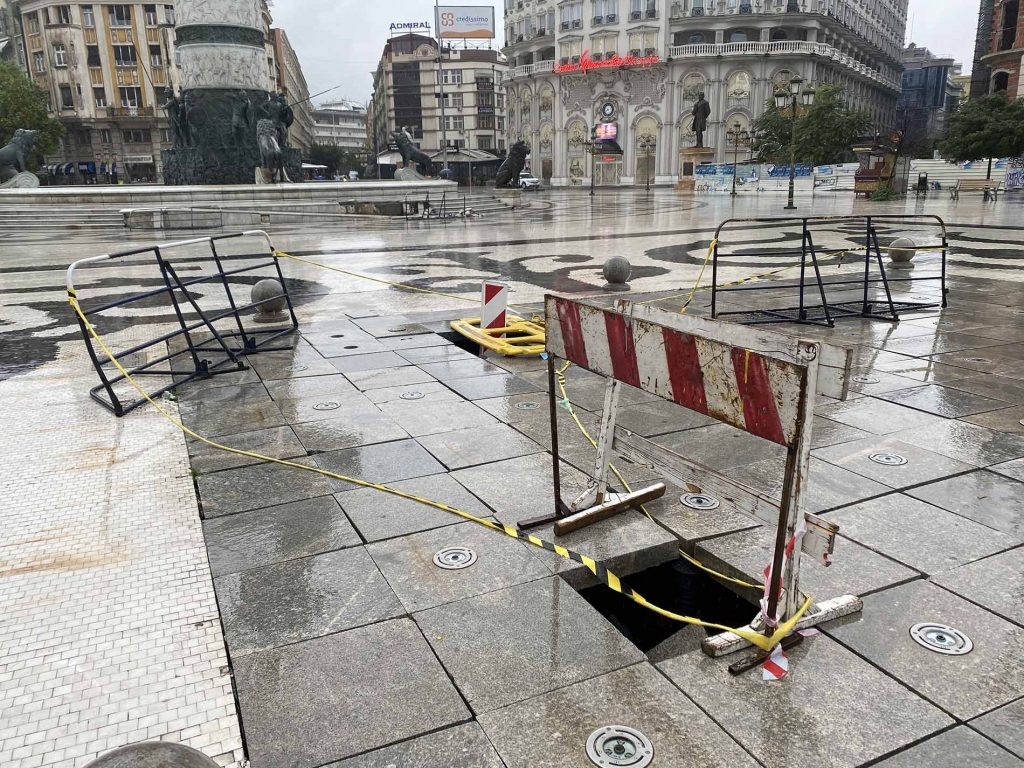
column 313, row 167
column 389, row 157
column 465, row 155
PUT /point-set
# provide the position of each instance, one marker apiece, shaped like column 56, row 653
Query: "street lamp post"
column 647, row 143
column 790, row 98
column 736, row 135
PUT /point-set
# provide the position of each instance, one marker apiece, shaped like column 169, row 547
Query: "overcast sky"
column 339, row 42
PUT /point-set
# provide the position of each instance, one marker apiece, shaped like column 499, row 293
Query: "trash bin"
column 922, row 182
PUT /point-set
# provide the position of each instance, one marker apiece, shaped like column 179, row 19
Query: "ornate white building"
column 641, row 65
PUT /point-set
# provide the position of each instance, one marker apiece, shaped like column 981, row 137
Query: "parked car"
column 528, row 181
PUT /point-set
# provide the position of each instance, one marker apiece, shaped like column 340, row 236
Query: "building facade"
column 12, row 46
column 104, row 68
column 999, row 64
column 930, row 93
column 641, row 64
column 340, row 123
column 290, row 81
column 407, row 87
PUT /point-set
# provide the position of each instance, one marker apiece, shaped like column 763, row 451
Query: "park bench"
column 988, row 188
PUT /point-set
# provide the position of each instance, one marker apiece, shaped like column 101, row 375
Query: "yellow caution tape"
column 764, row 642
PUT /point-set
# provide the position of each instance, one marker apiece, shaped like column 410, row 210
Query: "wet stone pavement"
column 350, row 647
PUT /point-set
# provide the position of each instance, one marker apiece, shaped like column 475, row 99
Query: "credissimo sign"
column 586, row 63
column 465, row 21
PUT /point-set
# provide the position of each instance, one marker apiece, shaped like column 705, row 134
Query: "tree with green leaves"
column 825, row 132
column 337, row 159
column 23, row 105
column 988, row 127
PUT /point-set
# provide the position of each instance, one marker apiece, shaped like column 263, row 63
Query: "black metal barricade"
column 813, row 305
column 212, row 332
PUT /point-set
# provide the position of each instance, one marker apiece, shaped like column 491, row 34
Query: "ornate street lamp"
column 791, row 98
column 647, row 143
column 737, row 135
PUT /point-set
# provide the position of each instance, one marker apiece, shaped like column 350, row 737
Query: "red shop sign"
column 586, row 63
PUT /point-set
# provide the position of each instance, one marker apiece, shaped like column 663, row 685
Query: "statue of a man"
column 701, row 113
column 241, row 116
column 175, row 117
column 277, row 109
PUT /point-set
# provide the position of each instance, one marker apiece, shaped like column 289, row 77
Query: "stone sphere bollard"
column 616, row 272
column 268, row 297
column 902, row 251
column 153, row 754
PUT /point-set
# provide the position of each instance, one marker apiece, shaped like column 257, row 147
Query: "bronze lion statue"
column 14, row 156
column 508, row 173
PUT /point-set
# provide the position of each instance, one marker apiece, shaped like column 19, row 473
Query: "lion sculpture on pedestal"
column 14, row 156
column 508, row 173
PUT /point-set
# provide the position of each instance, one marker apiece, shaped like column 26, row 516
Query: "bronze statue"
column 276, row 109
column 508, row 173
column 409, row 152
column 241, row 117
column 176, row 118
column 14, row 156
column 271, row 170
column 701, row 113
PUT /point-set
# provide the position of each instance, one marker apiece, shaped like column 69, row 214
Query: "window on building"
column 39, row 62
column 571, row 50
column 46, row 16
column 572, row 16
column 130, row 97
column 92, row 55
column 156, row 59
column 63, row 14
column 453, row 100
column 485, row 99
column 124, row 56
column 137, row 136
column 169, row 14
column 67, row 99
column 119, row 15
column 99, row 95
column 454, row 123
column 603, row 46
column 484, row 142
column 33, row 22
column 779, row 34
column 603, row 9
column 104, row 135
column 643, row 42
column 451, row 76
column 150, row 13
column 738, row 36
column 60, row 55
column 88, row 19
column 485, row 123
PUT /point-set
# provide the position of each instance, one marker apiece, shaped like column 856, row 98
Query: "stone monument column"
column 224, row 81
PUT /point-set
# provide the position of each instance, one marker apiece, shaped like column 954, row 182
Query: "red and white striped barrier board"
column 755, row 392
column 494, row 300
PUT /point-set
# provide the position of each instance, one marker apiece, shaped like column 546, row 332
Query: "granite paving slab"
column 389, row 326
column 1006, row 388
column 720, row 446
column 333, row 386
column 420, row 418
column 658, row 418
column 218, row 419
column 506, row 646
column 828, row 486
column 301, row 599
column 380, row 463
column 918, row 534
column 299, row 364
column 408, row 564
column 551, row 730
column 497, row 385
column 436, row 354
column 924, row 346
column 370, row 362
column 944, row 401
column 276, row 442
column 826, row 432
column 351, row 430
column 818, row 715
column 1013, row 469
column 380, row 378
column 416, row 341
column 461, row 369
column 879, row 417
column 855, row 569
column 965, row 442
column 965, row 686
column 694, row 525
column 380, row 515
column 960, row 746
column 925, row 369
column 274, row 534
column 427, row 391
column 983, row 496
column 320, row 407
column 478, row 445
column 348, row 346
column 260, row 485
column 307, row 704
column 519, row 409
column 995, row 583
column 463, row 746
column 1005, row 726
column 198, row 394
column 1004, row 420
column 870, row 381
column 921, row 465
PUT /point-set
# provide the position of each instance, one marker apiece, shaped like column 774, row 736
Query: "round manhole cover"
column 699, row 501
column 296, row 368
column 527, row 406
column 617, row 745
column 977, row 360
column 889, row 459
column 863, row 379
column 411, row 395
column 399, row 329
column 328, row 405
column 454, row 558
column 941, row 639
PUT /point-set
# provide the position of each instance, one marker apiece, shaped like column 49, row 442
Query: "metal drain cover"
column 296, row 368
column 699, row 501
column 862, row 379
column 528, row 406
column 617, row 745
column 941, row 639
column 399, row 329
column 889, row 459
column 329, row 405
column 977, row 360
column 454, row 558
column 411, row 395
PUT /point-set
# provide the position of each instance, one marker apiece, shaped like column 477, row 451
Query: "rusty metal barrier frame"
column 827, row 312
column 761, row 382
column 225, row 349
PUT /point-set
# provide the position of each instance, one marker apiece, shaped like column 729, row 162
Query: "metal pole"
column 792, row 158
column 593, row 159
column 440, row 86
column 735, row 157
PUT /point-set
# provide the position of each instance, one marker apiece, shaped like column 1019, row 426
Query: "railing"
column 796, row 47
column 537, row 67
